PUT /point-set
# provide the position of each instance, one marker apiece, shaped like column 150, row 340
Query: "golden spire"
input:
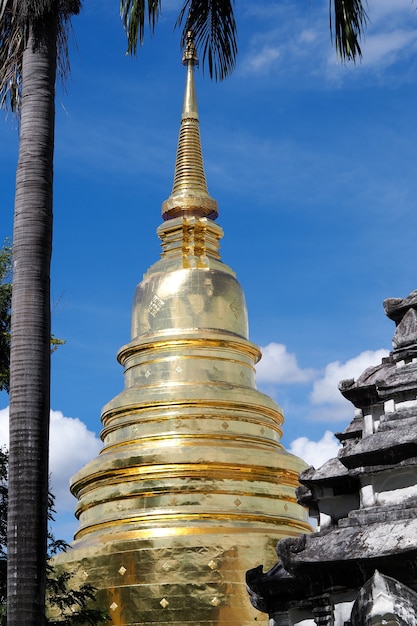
column 189, row 194
column 192, row 486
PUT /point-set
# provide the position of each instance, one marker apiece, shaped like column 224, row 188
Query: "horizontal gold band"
column 181, row 408
column 212, row 471
column 177, row 492
column 146, row 519
column 180, row 344
column 200, row 439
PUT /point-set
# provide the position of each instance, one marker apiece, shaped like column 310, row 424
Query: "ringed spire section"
column 189, row 194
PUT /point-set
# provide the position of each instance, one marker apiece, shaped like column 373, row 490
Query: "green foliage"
column 348, row 20
column 212, row 23
column 5, row 316
column 14, row 20
column 69, row 603
column 134, row 15
column 55, row 343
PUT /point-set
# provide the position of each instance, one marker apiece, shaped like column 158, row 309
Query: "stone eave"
column 340, row 546
column 388, row 447
column 332, row 474
column 401, row 380
column 352, row 431
column 262, row 587
column 386, row 382
column 360, row 396
column 332, row 469
column 351, row 557
column 375, row 469
column 396, row 308
column 306, row 576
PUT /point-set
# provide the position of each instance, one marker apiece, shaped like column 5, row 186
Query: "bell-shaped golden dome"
column 193, row 486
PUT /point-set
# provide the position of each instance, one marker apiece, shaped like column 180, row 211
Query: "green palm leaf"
column 348, row 19
column 134, row 15
column 15, row 15
column 213, row 25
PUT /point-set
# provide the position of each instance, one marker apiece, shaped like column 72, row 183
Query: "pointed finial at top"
column 189, row 194
column 190, row 52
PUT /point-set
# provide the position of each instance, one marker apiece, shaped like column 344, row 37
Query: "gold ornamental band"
column 179, row 358
column 182, row 343
column 193, row 405
column 158, row 415
column 219, row 471
column 245, row 522
column 158, row 492
column 200, row 439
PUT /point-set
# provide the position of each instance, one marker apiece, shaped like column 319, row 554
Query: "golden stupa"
column 192, row 486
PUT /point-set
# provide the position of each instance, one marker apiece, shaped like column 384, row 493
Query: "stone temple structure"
column 192, row 486
column 360, row 567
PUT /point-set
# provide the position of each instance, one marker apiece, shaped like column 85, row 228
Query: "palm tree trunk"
column 30, row 333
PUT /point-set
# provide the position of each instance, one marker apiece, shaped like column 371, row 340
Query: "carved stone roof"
column 365, row 499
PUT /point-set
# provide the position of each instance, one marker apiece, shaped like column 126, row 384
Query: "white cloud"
column 385, row 47
column 262, row 60
column 342, row 411
column 290, row 38
column 4, row 427
column 72, row 445
column 325, row 389
column 308, row 35
column 315, row 452
column 397, row 10
column 279, row 366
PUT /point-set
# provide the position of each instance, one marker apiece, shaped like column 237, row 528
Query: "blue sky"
column 313, row 166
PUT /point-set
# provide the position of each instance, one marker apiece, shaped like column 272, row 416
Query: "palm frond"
column 348, row 20
column 134, row 17
column 15, row 16
column 11, row 52
column 67, row 9
column 213, row 25
column 33, row 10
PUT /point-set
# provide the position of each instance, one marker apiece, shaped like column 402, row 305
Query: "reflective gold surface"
column 193, row 486
column 189, row 193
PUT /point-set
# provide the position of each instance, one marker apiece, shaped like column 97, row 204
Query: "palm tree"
column 31, row 33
